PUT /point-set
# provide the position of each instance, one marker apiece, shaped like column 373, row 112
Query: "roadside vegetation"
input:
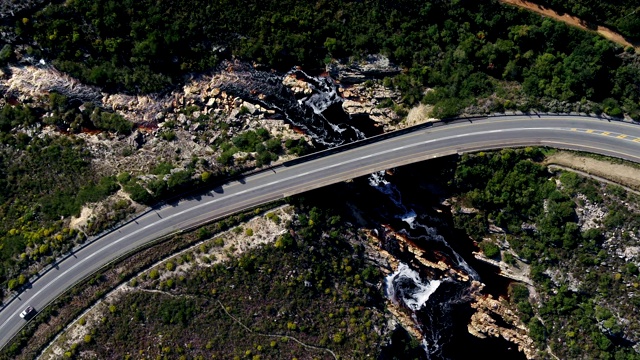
column 314, row 284
column 43, row 180
column 50, row 321
column 46, row 178
column 311, row 284
column 588, row 286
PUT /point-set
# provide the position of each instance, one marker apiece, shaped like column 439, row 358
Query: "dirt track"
column 618, row 173
column 573, row 21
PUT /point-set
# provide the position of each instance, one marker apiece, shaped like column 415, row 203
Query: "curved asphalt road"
column 601, row 136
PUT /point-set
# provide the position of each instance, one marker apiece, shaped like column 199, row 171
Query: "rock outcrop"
column 371, row 67
column 507, row 271
column 382, row 105
column 419, row 255
column 484, row 324
column 296, row 85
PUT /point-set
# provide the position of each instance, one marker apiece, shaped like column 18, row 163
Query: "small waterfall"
column 405, row 287
column 378, row 181
column 319, row 114
column 409, row 216
column 431, row 301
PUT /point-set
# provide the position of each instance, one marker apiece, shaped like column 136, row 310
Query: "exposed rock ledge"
column 367, row 99
column 371, row 67
column 506, row 270
column 484, row 325
column 387, row 263
column 419, row 256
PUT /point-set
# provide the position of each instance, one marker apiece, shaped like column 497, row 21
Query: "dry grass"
column 619, row 173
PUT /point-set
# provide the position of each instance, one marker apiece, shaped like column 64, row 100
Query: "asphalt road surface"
column 595, row 135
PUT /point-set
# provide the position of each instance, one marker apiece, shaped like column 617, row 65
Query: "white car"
column 26, row 312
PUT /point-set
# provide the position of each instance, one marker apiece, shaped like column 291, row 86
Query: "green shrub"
column 243, row 110
column 124, row 178
column 218, row 242
column 203, row 233
column 6, row 53
column 162, row 168
column 111, row 122
column 490, row 249
column 168, row 135
column 138, row 193
column 154, row 274
column 12, row 284
column 178, row 179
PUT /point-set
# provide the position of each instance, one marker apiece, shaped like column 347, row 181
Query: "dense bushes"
column 44, row 179
column 72, row 118
column 14, row 116
column 621, row 15
column 40, row 182
column 508, row 185
column 567, row 265
column 464, row 49
column 260, row 142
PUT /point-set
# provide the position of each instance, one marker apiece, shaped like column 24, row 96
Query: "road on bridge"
column 613, row 138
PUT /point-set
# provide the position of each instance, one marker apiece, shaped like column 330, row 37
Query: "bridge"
column 583, row 133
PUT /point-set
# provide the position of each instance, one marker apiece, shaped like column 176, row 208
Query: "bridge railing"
column 436, row 123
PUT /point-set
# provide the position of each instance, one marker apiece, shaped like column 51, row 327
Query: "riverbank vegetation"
column 582, row 264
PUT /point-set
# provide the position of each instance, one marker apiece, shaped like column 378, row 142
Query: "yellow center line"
column 589, row 131
column 636, row 139
column 606, row 133
column 574, row 129
column 621, row 136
